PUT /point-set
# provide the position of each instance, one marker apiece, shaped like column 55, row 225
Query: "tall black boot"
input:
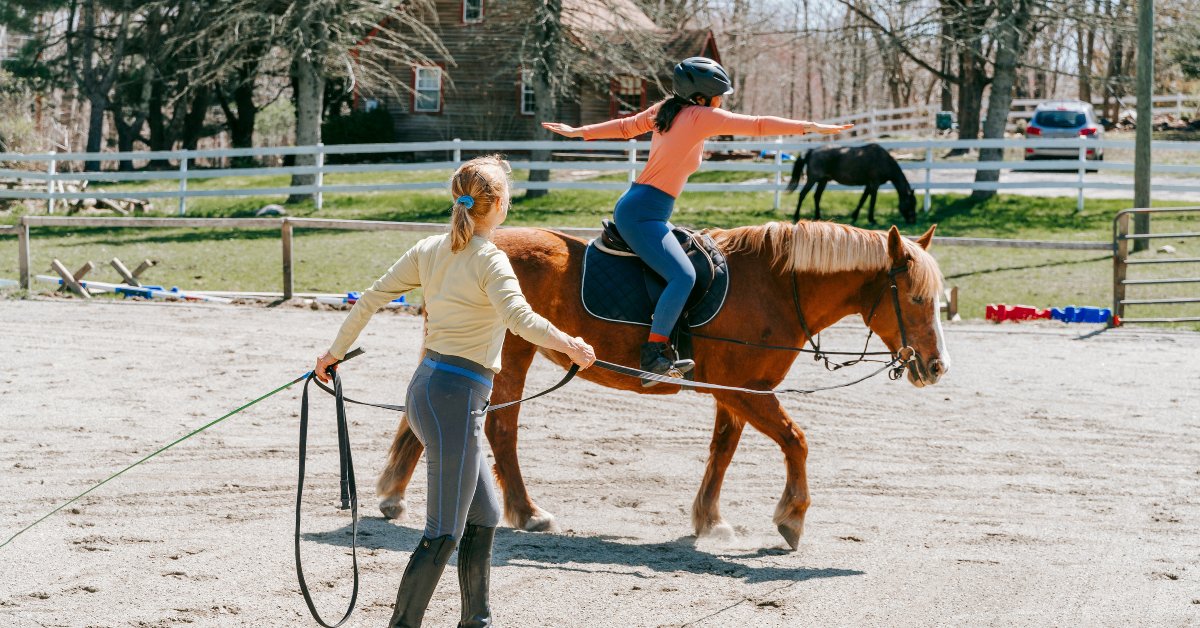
column 474, row 568
column 420, row 579
column 660, row 358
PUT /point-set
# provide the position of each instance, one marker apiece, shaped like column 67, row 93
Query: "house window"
column 528, row 104
column 628, row 96
column 472, row 11
column 428, row 87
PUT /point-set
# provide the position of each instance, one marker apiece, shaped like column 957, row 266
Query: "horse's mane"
column 826, row 247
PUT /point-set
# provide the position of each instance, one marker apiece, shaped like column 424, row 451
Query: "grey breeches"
column 443, row 394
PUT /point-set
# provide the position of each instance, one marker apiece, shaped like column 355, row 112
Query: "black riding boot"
column 420, row 579
column 474, row 567
column 660, row 358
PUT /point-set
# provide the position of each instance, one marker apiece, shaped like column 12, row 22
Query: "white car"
column 1060, row 119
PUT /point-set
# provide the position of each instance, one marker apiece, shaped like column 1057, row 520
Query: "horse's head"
column 908, row 206
column 907, row 315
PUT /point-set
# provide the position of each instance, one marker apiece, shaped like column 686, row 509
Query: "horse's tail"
column 797, row 171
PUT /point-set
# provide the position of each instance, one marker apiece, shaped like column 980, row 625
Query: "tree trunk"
column 95, row 134
column 548, row 36
column 309, row 88
column 1011, row 44
column 157, row 123
column 193, row 122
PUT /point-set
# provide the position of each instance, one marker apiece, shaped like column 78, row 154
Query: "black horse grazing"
column 870, row 165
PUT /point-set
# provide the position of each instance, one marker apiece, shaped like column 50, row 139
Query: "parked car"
column 1060, row 119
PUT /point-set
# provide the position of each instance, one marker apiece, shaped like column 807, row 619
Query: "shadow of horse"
column 564, row 552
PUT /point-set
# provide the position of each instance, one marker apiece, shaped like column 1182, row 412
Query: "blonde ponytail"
column 479, row 186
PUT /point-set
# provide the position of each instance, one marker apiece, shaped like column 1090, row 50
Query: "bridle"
column 900, row 359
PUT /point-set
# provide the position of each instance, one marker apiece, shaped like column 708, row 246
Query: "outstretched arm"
column 620, row 128
column 400, row 278
column 721, row 122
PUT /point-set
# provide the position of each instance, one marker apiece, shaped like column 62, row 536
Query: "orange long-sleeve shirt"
column 676, row 154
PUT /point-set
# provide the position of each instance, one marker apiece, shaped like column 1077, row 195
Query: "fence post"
column 1082, row 172
column 51, row 170
column 1120, row 251
column 632, row 160
column 320, row 161
column 23, row 253
column 928, row 177
column 286, row 239
column 183, row 171
column 871, row 125
column 778, row 170
column 457, row 151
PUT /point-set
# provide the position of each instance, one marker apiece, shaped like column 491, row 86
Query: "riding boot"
column 474, row 567
column 420, row 579
column 660, row 358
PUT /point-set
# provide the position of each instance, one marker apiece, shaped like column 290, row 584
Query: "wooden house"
column 484, row 93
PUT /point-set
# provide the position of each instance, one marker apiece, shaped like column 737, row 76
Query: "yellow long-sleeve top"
column 471, row 297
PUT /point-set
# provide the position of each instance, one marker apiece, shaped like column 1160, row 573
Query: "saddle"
column 619, row 287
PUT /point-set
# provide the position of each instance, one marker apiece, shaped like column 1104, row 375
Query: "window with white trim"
column 628, row 96
column 428, row 86
column 528, row 104
column 472, row 11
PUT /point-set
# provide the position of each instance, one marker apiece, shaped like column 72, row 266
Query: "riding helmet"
column 700, row 75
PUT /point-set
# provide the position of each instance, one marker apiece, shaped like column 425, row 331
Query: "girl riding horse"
column 680, row 125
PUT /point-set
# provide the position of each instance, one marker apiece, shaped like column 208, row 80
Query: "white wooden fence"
column 40, row 176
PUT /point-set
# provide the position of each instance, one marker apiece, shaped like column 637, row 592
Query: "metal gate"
column 1121, row 263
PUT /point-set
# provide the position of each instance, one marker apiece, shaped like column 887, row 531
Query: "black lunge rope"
column 349, row 489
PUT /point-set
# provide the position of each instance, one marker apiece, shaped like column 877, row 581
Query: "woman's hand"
column 562, row 129
column 581, row 353
column 323, row 363
column 829, row 129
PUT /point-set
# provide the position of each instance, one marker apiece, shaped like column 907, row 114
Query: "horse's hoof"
column 393, row 507
column 540, row 521
column 791, row 535
column 718, row 532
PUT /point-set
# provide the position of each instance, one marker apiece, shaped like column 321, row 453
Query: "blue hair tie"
column 466, row 201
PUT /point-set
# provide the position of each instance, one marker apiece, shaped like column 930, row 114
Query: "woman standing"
column 680, row 125
column 471, row 298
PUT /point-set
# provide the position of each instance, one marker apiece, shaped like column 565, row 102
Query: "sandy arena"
column 1050, row 479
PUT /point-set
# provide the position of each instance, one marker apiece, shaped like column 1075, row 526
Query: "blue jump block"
column 1074, row 314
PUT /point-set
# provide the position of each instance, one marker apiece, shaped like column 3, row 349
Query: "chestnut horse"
column 839, row 271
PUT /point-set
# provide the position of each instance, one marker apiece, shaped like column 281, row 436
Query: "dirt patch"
column 1049, row 479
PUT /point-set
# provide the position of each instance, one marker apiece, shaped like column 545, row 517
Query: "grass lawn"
column 337, row 261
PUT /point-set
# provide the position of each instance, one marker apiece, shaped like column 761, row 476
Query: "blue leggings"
column 443, row 394
column 641, row 216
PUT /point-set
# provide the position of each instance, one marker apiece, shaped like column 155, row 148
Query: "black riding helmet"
column 700, row 75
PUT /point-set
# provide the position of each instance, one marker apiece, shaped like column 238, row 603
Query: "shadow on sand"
column 579, row 553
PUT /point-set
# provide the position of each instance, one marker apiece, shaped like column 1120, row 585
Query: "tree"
column 588, row 44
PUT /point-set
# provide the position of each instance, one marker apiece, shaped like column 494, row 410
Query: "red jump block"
column 1001, row 312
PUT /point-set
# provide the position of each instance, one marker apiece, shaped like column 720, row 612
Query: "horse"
column 870, row 165
column 781, row 272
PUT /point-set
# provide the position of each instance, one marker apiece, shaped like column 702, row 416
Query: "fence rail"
column 287, row 226
column 48, row 180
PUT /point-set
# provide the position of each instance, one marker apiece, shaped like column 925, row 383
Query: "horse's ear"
column 927, row 239
column 896, row 247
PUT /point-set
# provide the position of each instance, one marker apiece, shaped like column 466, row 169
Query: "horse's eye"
column 918, row 300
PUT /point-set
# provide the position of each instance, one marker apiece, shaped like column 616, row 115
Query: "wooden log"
column 108, row 203
column 83, row 271
column 143, row 267
column 69, row 280
column 126, row 276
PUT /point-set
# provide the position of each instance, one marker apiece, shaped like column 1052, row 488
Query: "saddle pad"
column 622, row 289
